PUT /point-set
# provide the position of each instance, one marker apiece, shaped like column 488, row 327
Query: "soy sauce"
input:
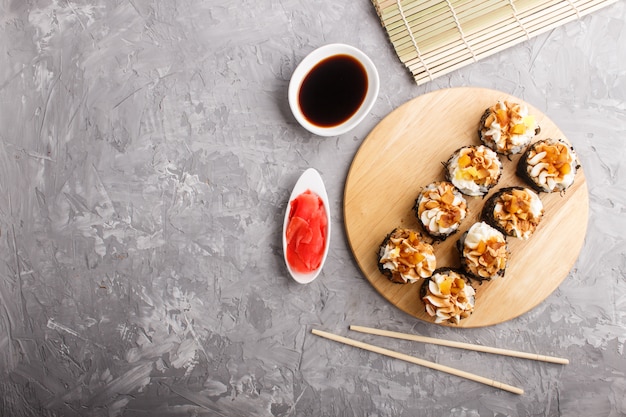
column 333, row 91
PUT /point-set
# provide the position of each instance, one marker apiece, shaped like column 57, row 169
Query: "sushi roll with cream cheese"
column 507, row 128
column 441, row 208
column 515, row 211
column 404, row 257
column 448, row 296
column 483, row 251
column 549, row 165
column 474, row 170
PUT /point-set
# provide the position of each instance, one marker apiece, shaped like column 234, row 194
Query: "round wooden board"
column 405, row 152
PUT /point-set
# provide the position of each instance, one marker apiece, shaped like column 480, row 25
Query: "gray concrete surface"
column 146, row 155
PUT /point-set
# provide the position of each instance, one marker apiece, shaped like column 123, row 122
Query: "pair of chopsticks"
column 442, row 342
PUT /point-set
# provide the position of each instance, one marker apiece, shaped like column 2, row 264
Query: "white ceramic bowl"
column 308, row 63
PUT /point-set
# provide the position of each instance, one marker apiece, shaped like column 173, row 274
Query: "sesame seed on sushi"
column 440, row 207
column 448, row 296
column 474, row 170
column 404, row 257
column 515, row 211
column 549, row 165
column 507, row 128
column 483, row 251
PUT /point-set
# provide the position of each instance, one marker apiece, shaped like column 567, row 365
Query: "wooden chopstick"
column 460, row 345
column 418, row 361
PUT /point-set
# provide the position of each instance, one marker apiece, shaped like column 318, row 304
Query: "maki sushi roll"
column 474, row 170
column 404, row 257
column 515, row 211
column 448, row 296
column 549, row 165
column 507, row 128
column 483, row 250
column 440, row 208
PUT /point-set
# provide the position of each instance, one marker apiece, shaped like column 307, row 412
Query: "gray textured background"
column 146, row 155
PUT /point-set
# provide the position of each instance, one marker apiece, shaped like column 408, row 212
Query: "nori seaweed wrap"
column 473, row 170
column 514, row 211
column 448, row 295
column 548, row 165
column 440, row 207
column 483, row 251
column 404, row 257
column 507, row 128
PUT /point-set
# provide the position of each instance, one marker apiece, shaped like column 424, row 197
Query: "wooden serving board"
column 405, row 152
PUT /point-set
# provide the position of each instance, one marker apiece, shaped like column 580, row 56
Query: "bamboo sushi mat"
column 434, row 37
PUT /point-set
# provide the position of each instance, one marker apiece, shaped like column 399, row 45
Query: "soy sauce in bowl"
column 333, row 90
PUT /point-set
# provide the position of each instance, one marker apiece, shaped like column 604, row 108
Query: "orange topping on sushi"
column 556, row 157
column 509, row 117
column 502, row 115
column 447, row 197
column 441, row 200
column 515, row 213
column 518, row 129
column 445, row 286
column 507, row 127
column 448, row 298
column 406, row 257
column 411, row 253
column 465, row 161
column 487, row 258
column 476, row 166
column 451, row 285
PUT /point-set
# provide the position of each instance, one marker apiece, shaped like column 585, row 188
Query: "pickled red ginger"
column 306, row 232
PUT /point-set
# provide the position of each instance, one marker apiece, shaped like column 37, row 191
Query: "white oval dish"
column 309, row 180
column 308, row 63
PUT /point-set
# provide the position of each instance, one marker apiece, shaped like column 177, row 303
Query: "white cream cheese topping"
column 511, row 131
column 481, row 231
column 406, row 256
column 473, row 177
column 553, row 166
column 449, row 298
column 485, row 251
column 441, row 208
column 522, row 228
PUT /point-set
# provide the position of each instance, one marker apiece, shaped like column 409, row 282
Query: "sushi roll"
column 474, row 170
column 448, row 296
column 549, row 165
column 404, row 257
column 440, row 208
column 507, row 128
column 515, row 211
column 483, row 251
